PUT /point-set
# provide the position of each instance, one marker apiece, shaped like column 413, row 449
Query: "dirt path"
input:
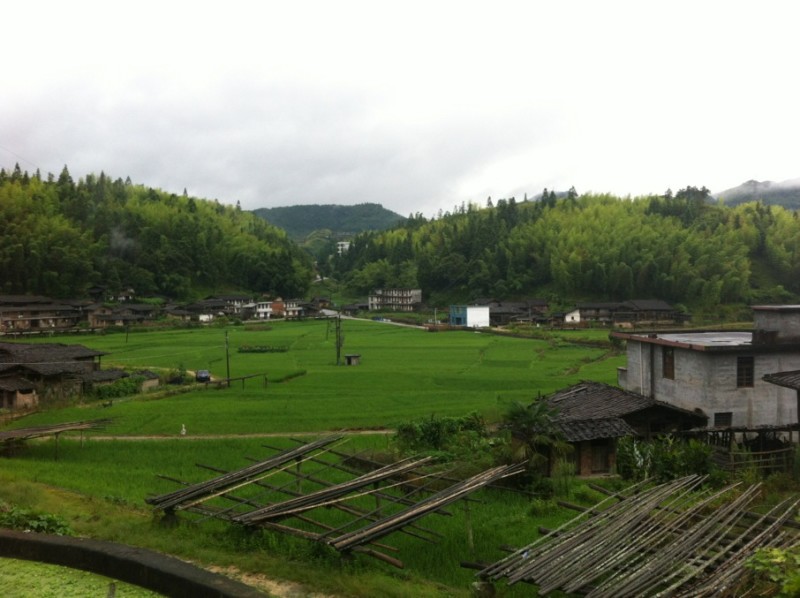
column 377, row 431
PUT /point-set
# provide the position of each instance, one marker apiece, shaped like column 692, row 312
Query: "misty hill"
column 302, row 220
column 785, row 193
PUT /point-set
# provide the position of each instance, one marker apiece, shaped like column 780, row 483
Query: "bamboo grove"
column 686, row 248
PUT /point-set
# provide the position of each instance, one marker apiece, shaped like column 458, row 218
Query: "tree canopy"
column 682, row 248
column 61, row 237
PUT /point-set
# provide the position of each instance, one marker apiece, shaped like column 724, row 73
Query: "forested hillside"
column 300, row 221
column 679, row 248
column 59, row 237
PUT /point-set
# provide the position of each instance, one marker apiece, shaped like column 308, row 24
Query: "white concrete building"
column 471, row 316
column 263, row 310
column 721, row 373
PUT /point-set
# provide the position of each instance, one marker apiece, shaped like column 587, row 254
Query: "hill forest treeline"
column 60, row 237
column 683, row 248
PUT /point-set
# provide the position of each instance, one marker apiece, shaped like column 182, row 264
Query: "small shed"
column 352, row 359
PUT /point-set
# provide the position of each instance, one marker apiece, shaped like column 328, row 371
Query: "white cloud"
column 417, row 106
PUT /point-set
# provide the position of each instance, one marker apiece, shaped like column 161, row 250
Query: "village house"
column 503, row 313
column 584, row 313
column 647, row 312
column 234, row 305
column 278, row 307
column 33, row 313
column 104, row 316
column 724, row 373
column 206, row 310
column 263, row 309
column 295, row 309
column 592, row 416
column 400, row 299
column 627, row 314
column 30, row 373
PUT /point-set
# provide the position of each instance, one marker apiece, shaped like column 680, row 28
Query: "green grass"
column 107, row 482
column 23, row 579
column 404, row 374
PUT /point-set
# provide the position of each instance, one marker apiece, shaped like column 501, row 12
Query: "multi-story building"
column 395, row 299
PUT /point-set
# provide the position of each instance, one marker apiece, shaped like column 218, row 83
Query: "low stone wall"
column 139, row 566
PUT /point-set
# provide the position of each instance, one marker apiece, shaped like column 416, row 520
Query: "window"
column 744, row 371
column 668, row 362
column 723, row 419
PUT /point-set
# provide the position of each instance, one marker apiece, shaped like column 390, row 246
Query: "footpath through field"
column 376, row 431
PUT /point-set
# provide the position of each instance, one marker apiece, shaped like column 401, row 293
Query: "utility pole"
column 227, row 359
column 339, row 339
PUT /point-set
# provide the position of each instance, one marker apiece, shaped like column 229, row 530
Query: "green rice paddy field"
column 99, row 484
column 404, row 374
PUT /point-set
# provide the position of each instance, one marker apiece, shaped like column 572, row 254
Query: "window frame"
column 723, row 419
column 745, row 371
column 668, row 363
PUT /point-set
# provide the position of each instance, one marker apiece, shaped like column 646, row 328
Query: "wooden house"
column 592, row 416
column 30, row 373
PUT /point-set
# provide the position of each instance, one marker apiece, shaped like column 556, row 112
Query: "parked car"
column 202, row 376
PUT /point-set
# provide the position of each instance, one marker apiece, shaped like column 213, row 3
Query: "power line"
column 16, row 155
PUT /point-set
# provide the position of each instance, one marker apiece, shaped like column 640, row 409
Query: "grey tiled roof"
column 593, row 429
column 787, row 379
column 15, row 383
column 591, row 410
column 44, row 353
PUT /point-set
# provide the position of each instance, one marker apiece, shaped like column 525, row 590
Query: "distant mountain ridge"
column 302, row 220
column 785, row 193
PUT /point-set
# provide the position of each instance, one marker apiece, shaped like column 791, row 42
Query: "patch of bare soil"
column 280, row 589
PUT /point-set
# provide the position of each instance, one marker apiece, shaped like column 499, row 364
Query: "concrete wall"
column 146, row 568
column 478, row 316
column 707, row 380
column 783, row 321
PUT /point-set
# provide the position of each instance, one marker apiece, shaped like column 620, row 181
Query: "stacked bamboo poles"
column 670, row 540
column 192, row 495
column 445, row 497
column 328, row 496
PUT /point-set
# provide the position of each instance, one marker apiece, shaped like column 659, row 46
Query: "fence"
column 779, row 460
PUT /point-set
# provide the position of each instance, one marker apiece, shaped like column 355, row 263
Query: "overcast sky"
column 418, row 106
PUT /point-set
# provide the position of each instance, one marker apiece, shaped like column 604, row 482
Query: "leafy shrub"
column 541, row 486
column 663, row 459
column 779, row 569
column 24, row 519
column 439, row 433
column 124, row 387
